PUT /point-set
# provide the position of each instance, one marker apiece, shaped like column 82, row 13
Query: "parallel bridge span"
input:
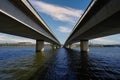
column 18, row 17
column 101, row 18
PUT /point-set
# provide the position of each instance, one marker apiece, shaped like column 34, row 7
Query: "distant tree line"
column 98, row 45
column 21, row 44
column 16, row 45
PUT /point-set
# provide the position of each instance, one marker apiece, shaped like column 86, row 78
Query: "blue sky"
column 61, row 16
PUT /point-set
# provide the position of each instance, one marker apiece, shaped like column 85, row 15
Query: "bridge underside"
column 102, row 18
column 11, row 26
column 107, row 27
column 18, row 17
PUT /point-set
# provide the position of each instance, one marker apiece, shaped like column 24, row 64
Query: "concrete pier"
column 58, row 46
column 39, row 45
column 84, row 46
column 68, row 46
column 54, row 46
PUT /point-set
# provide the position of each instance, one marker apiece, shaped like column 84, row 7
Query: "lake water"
column 61, row 64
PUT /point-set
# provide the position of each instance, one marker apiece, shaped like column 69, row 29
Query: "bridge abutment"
column 39, row 45
column 84, row 46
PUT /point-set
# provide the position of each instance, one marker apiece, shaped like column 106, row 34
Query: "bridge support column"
column 84, row 46
column 58, row 46
column 39, row 45
column 54, row 46
column 69, row 46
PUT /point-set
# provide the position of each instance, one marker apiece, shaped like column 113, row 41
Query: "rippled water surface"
column 60, row 64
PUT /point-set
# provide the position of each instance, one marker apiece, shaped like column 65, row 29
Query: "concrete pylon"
column 58, row 46
column 54, row 46
column 39, row 45
column 84, row 46
column 69, row 46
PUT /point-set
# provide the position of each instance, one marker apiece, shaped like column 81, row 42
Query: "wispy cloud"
column 105, row 41
column 14, row 40
column 64, row 29
column 60, row 13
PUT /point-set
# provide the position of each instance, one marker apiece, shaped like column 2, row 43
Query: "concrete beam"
column 29, row 24
column 39, row 45
column 84, row 46
column 104, row 21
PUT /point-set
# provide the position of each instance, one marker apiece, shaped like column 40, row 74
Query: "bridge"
column 101, row 18
column 18, row 17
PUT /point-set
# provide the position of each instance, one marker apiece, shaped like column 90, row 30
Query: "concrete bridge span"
column 18, row 17
column 101, row 18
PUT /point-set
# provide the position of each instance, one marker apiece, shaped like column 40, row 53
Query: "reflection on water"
column 43, row 60
column 59, row 68
column 79, row 64
column 21, row 63
column 61, row 64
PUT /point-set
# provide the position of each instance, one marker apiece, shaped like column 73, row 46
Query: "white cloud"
column 60, row 13
column 14, row 40
column 2, row 38
column 64, row 29
column 104, row 41
column 21, row 40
